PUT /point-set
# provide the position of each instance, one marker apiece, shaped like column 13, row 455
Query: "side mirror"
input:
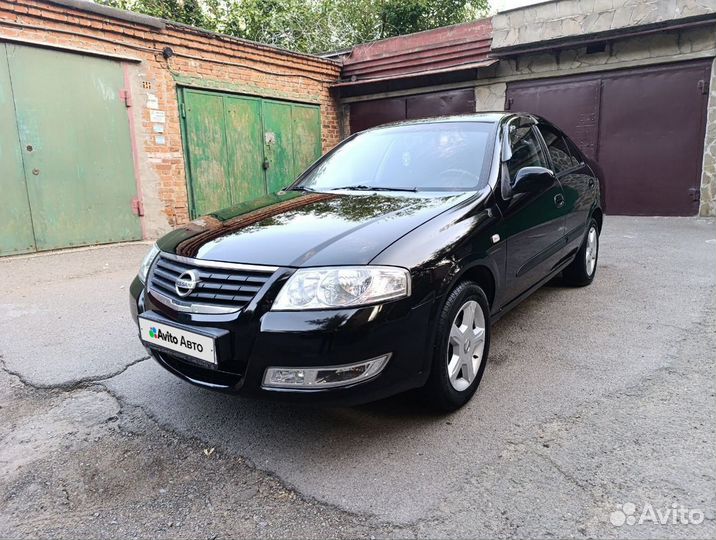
column 531, row 179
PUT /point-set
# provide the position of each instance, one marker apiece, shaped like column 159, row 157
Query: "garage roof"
column 415, row 74
column 442, row 49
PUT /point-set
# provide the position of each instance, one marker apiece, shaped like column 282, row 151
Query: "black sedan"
column 381, row 269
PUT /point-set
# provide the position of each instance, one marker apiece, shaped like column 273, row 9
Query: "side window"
column 577, row 155
column 526, row 150
column 558, row 150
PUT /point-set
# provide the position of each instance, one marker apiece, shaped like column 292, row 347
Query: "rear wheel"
column 461, row 347
column 583, row 268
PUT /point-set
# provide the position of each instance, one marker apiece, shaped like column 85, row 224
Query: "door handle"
column 559, row 200
column 266, row 164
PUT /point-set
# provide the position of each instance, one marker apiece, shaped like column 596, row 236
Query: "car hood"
column 307, row 229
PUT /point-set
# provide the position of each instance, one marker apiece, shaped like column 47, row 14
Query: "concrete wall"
column 565, row 18
column 201, row 59
column 638, row 51
column 490, row 97
column 708, row 176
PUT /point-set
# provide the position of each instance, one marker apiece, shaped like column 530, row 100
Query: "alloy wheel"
column 590, row 254
column 465, row 345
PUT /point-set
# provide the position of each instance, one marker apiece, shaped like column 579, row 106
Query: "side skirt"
column 507, row 307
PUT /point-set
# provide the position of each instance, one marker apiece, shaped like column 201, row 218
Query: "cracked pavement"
column 593, row 398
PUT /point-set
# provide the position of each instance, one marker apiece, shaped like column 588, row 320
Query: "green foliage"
column 311, row 25
column 407, row 16
column 190, row 12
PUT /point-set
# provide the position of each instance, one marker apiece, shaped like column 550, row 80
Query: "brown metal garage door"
column 645, row 127
column 368, row 114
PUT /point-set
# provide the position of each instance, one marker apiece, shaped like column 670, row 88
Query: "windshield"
column 440, row 156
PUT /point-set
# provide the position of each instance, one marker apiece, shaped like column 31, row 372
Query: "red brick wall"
column 207, row 59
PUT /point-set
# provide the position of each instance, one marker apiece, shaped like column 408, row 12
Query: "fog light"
column 324, row 377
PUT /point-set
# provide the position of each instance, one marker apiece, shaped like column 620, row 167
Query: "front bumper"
column 254, row 339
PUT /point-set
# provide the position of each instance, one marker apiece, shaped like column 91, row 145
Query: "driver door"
column 534, row 223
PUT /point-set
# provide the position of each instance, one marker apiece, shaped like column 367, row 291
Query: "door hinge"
column 182, row 110
column 508, row 103
column 703, row 86
column 124, row 96
column 137, row 207
column 695, row 194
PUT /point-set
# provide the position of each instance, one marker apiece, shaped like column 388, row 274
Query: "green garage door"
column 66, row 169
column 238, row 148
column 16, row 234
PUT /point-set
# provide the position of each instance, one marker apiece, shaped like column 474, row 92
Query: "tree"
column 311, row 25
column 408, row 16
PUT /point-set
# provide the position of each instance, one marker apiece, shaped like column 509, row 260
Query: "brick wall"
column 200, row 59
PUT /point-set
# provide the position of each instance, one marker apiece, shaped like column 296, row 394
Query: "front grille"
column 224, row 286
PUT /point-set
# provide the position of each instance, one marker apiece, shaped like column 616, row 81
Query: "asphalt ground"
column 593, row 399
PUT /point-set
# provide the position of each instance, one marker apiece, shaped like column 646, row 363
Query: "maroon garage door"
column 645, row 127
column 367, row 114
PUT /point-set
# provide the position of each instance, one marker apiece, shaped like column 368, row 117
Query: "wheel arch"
column 479, row 273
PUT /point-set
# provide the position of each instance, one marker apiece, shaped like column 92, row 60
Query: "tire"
column 583, row 268
column 453, row 381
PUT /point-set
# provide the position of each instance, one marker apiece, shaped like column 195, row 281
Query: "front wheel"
column 583, row 268
column 461, row 347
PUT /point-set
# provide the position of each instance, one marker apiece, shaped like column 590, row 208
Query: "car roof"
column 486, row 117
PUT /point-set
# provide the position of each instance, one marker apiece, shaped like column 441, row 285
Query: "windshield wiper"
column 300, row 188
column 361, row 187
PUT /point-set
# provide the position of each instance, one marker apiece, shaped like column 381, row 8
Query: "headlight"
column 342, row 286
column 147, row 263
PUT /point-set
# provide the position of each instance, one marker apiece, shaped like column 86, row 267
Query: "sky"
column 501, row 5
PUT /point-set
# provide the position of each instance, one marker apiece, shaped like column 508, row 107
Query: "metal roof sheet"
column 422, row 52
column 460, row 67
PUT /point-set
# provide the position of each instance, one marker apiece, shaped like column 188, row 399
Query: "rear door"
column 574, row 176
